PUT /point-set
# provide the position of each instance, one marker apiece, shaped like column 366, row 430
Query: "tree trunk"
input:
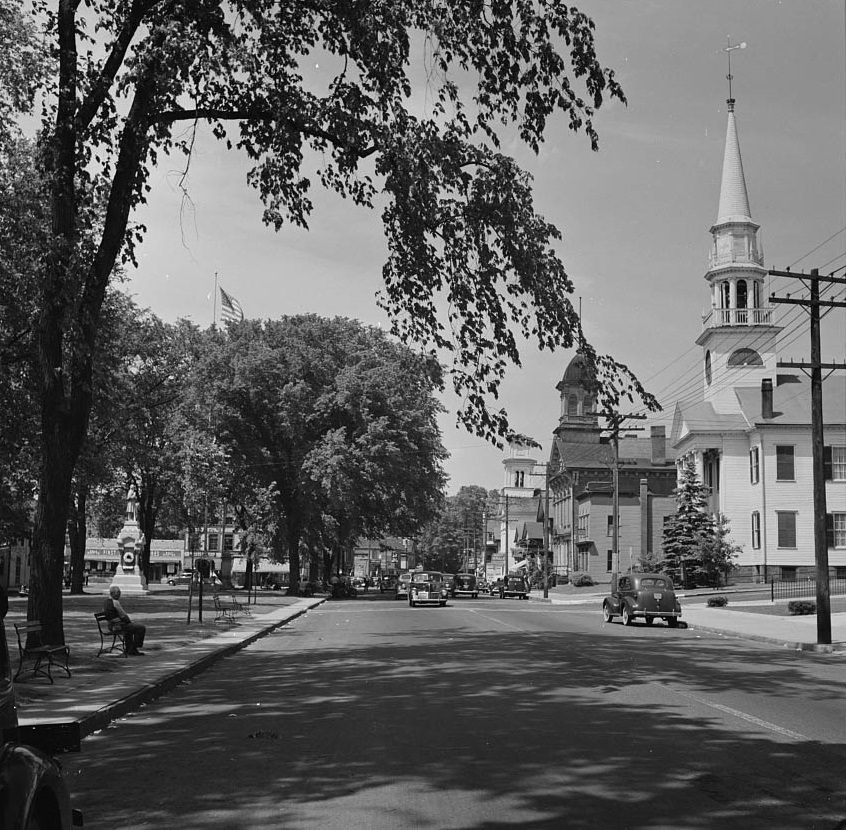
column 77, row 532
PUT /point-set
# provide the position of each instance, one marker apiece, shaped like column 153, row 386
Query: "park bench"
column 113, row 630
column 43, row 656
column 224, row 609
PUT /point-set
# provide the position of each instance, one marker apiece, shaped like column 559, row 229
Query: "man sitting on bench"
column 133, row 632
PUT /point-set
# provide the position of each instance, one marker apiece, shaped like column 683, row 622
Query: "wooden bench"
column 44, row 656
column 113, row 630
column 240, row 608
column 224, row 610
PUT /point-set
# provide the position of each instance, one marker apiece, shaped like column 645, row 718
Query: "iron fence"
column 800, row 588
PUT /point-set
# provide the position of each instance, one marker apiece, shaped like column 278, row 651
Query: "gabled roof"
column 792, row 401
column 791, row 407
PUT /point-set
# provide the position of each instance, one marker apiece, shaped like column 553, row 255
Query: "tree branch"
column 253, row 114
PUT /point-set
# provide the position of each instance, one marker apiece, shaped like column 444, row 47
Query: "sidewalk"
column 798, row 633
column 107, row 687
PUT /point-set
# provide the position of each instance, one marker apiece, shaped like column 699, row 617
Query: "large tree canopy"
column 336, row 419
column 470, row 266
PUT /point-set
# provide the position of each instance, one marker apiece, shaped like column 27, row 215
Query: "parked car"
column 403, row 582
column 387, row 583
column 514, row 586
column 33, row 793
column 494, row 587
column 184, row 578
column 427, row 588
column 465, row 585
column 648, row 596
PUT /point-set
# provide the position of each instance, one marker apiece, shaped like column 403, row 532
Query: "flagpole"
column 214, row 312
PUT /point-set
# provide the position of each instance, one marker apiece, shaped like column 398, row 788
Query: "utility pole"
column 546, row 534
column 616, row 420
column 505, row 572
column 815, row 367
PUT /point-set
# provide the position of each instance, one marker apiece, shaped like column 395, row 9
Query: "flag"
column 230, row 308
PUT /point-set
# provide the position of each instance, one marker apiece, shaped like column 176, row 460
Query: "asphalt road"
column 485, row 714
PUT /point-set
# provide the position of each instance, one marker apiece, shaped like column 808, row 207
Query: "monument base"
column 130, row 584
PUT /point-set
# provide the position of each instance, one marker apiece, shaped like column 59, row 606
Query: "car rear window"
column 653, row 582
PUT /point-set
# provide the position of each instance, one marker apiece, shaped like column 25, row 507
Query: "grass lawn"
column 779, row 609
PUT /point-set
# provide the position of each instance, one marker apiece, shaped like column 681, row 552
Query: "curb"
column 820, row 648
column 129, row 703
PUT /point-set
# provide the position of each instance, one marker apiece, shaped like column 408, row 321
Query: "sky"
column 635, row 216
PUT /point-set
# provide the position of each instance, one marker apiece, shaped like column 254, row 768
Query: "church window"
column 741, row 294
column 590, row 404
column 745, row 357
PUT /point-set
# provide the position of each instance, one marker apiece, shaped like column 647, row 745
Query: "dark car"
column 33, row 793
column 427, row 588
column 465, row 585
column 647, row 596
column 514, row 587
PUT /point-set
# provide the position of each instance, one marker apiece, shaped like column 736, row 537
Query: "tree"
column 337, row 418
column 447, row 539
column 687, row 528
column 718, row 552
column 458, row 213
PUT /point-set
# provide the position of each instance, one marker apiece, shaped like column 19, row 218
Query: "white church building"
column 749, row 436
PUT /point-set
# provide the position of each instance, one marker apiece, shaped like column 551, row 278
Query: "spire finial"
column 728, row 50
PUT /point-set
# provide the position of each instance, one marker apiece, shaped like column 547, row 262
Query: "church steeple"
column 739, row 340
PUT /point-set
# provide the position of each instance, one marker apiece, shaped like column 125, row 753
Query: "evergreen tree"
column 686, row 530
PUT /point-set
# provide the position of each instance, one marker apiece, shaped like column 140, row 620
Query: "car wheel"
column 627, row 615
column 607, row 616
column 442, row 604
column 673, row 622
column 650, row 620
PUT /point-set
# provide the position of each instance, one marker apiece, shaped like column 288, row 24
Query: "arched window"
column 590, row 404
column 725, row 295
column 741, row 294
column 745, row 357
column 572, row 405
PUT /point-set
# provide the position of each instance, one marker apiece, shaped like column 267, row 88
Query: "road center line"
column 736, row 713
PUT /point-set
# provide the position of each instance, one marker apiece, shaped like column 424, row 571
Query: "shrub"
column 801, row 606
column 717, row 602
column 582, row 580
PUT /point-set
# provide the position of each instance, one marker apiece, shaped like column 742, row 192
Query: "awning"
column 239, row 565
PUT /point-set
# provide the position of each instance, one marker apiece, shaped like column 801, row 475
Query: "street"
column 488, row 713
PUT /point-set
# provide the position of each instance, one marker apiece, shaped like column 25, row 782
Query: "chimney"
column 658, row 435
column 766, row 398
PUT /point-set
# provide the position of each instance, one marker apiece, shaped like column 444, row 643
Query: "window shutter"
column 829, row 524
column 827, row 465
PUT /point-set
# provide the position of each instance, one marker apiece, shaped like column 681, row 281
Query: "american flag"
column 230, row 308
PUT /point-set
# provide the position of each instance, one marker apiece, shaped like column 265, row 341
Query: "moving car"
column 403, row 582
column 649, row 596
column 427, row 588
column 465, row 585
column 514, row 586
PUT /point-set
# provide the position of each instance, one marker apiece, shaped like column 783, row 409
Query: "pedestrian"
column 133, row 632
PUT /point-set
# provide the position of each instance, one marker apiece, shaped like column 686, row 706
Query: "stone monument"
column 130, row 543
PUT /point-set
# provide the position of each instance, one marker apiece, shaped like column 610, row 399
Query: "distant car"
column 403, row 582
column 387, row 583
column 184, row 578
column 648, row 596
column 427, row 588
column 514, row 587
column 465, row 585
column 493, row 587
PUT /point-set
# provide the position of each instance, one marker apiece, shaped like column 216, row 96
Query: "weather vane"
column 728, row 50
